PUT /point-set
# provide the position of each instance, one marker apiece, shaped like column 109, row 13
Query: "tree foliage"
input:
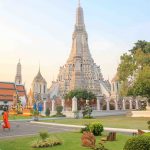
column 80, row 94
column 134, row 70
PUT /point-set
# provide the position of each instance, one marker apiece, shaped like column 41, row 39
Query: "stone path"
column 120, row 130
column 32, row 128
column 27, row 128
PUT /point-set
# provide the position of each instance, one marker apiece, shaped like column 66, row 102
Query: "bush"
column 58, row 115
column 43, row 135
column 141, row 142
column 87, row 111
column 100, row 147
column 85, row 129
column 148, row 122
column 59, row 110
column 87, row 117
column 96, row 128
column 47, row 112
column 46, row 141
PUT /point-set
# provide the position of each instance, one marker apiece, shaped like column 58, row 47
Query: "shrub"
column 96, row 128
column 87, row 111
column 43, row 135
column 59, row 110
column 87, row 117
column 100, row 147
column 148, row 122
column 46, row 141
column 58, row 115
column 85, row 129
column 47, row 112
column 141, row 142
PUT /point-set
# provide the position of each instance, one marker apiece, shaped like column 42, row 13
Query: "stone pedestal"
column 63, row 104
column 74, row 104
column 130, row 104
column 116, row 105
column 107, row 104
column 53, row 105
column 136, row 104
column 98, row 104
column 123, row 104
column 44, row 108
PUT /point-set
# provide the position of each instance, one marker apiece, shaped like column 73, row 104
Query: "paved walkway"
column 120, row 130
column 27, row 129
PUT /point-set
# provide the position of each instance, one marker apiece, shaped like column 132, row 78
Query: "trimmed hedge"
column 96, row 128
column 141, row 142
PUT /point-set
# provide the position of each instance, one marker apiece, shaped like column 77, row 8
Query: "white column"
column 63, row 104
column 116, row 105
column 98, row 104
column 44, row 107
column 123, row 104
column 137, row 104
column 130, row 101
column 74, row 104
column 107, row 104
column 53, row 105
column 87, row 101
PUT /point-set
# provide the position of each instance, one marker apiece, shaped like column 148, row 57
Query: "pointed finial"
column 79, row 3
column 39, row 66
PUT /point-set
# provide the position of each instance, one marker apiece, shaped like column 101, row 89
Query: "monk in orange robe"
column 6, row 123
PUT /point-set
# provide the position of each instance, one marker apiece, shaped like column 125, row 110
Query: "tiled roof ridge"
column 8, row 88
column 7, row 82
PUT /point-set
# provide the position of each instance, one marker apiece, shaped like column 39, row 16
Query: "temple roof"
column 39, row 78
column 9, row 89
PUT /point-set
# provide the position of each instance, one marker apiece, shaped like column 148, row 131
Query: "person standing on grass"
column 6, row 123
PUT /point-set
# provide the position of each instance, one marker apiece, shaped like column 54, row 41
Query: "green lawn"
column 15, row 117
column 71, row 141
column 110, row 121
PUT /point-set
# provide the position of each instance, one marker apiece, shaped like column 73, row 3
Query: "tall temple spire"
column 80, row 71
column 79, row 3
column 79, row 15
column 39, row 68
column 18, row 78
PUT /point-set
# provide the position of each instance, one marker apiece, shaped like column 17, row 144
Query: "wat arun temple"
column 80, row 70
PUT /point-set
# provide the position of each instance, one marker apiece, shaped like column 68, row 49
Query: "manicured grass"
column 15, row 117
column 71, row 141
column 110, row 121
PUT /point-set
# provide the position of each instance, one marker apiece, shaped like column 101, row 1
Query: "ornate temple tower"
column 39, row 87
column 18, row 78
column 80, row 71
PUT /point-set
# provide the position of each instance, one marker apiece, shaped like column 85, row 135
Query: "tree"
column 80, row 94
column 134, row 70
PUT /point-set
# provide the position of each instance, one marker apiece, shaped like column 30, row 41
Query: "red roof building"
column 9, row 91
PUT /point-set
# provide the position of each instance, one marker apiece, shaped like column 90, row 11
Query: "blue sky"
column 41, row 31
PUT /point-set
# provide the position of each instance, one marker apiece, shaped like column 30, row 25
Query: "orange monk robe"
column 5, row 120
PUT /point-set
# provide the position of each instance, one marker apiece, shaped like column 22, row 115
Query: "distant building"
column 18, row 78
column 39, row 88
column 115, row 87
column 10, row 93
column 30, row 98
